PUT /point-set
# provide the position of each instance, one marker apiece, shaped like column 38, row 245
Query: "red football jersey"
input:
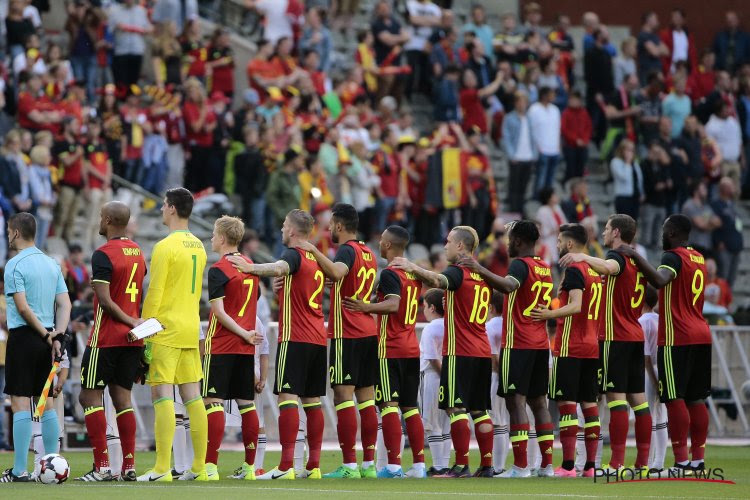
column 519, row 330
column 240, row 293
column 120, row 263
column 357, row 284
column 466, row 307
column 623, row 302
column 301, row 300
column 681, row 320
column 398, row 337
column 576, row 334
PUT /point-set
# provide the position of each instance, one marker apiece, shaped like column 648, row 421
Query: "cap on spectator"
column 218, row 96
column 275, row 94
column 423, row 142
column 251, row 97
column 406, row 140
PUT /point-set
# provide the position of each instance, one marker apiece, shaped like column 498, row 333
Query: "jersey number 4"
column 132, row 288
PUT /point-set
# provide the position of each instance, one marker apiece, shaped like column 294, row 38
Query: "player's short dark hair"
column 497, row 300
column 625, row 224
column 24, row 223
column 302, row 220
column 399, row 235
column 651, row 297
column 681, row 225
column 346, row 215
column 434, row 297
column 526, row 231
column 182, row 200
column 435, row 257
column 577, row 232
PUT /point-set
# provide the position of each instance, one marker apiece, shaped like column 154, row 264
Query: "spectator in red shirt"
column 677, row 36
column 34, row 110
column 470, row 100
column 98, row 171
column 702, row 79
column 200, row 123
column 194, row 49
column 70, row 153
column 576, row 130
column 221, row 62
column 387, row 167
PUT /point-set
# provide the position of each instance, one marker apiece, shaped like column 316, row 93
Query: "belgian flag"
column 446, row 179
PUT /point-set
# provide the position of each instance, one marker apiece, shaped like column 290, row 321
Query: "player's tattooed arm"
column 334, row 271
column 601, row 266
column 659, row 278
column 504, row 285
column 278, row 268
column 429, row 278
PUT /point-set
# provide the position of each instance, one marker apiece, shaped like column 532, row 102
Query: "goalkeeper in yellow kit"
column 177, row 264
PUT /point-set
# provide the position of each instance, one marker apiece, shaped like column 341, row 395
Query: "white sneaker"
column 189, row 475
column 516, row 472
column 416, row 472
column 153, row 476
column 548, row 471
column 275, row 473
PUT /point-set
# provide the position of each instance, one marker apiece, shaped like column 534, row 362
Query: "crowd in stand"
column 146, row 91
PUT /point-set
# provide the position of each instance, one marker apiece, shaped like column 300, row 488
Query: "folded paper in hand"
column 146, row 329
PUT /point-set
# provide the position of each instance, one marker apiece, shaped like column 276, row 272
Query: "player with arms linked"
column 466, row 369
column 229, row 363
column 398, row 353
column 301, row 352
column 576, row 352
column 524, row 364
column 353, row 358
column 110, row 359
column 684, row 355
column 621, row 341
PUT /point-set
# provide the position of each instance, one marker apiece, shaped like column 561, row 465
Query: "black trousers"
column 198, row 168
column 518, row 180
column 629, row 205
column 126, row 69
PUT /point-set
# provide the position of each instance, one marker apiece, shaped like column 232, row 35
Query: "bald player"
column 110, row 360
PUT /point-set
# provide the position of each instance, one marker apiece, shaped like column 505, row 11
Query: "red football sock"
column 250, row 425
column 392, row 434
column 460, row 435
column 126, row 426
column 618, row 431
column 568, row 431
column 642, row 434
column 591, row 431
column 368, row 420
column 546, row 438
column 698, row 429
column 346, row 427
column 96, row 426
column 288, row 427
column 485, row 439
column 415, row 431
column 678, row 422
column 215, row 414
column 315, row 426
column 519, row 439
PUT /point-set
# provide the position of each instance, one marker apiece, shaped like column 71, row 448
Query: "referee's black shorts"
column 28, row 361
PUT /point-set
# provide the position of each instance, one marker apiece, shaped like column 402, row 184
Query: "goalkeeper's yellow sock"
column 199, row 432
column 164, row 434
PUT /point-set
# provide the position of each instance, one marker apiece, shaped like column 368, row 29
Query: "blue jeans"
column 84, row 68
column 260, row 218
column 545, row 171
column 383, row 208
column 151, row 177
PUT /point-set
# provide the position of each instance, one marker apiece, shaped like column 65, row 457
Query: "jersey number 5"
column 640, row 289
column 132, row 288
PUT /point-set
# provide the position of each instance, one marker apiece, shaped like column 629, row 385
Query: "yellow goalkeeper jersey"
column 174, row 291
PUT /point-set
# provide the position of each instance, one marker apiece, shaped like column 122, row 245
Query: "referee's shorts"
column 173, row 365
column 28, row 361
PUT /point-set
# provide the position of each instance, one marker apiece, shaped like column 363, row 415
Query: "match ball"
column 746, row 390
column 54, row 469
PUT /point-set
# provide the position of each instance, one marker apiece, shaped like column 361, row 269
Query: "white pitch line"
column 383, row 492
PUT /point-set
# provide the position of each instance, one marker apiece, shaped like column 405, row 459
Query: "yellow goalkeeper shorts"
column 174, row 365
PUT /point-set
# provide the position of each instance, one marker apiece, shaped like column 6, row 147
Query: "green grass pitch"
column 735, row 461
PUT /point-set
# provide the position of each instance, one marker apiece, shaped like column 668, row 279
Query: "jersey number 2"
column 317, row 277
